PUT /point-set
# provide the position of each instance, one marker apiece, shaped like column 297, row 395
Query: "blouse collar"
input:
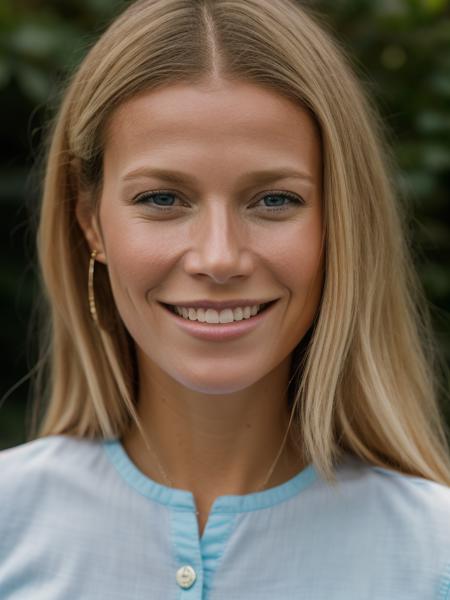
column 184, row 500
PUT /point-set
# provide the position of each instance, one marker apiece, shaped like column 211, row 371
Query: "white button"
column 186, row 576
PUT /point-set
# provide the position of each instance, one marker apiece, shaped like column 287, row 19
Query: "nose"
column 219, row 246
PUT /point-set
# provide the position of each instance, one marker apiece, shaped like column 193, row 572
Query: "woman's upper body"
column 175, row 228
column 80, row 520
column 217, row 92
column 222, row 152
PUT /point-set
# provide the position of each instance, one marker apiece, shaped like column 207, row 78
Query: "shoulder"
column 398, row 521
column 49, row 485
column 389, row 505
column 401, row 493
column 47, row 468
column 55, row 514
column 29, row 454
column 50, row 454
column 398, row 508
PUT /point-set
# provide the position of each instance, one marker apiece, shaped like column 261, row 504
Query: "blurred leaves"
column 399, row 48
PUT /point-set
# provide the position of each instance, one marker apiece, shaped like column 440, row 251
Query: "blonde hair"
column 364, row 380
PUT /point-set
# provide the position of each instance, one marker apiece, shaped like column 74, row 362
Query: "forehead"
column 230, row 121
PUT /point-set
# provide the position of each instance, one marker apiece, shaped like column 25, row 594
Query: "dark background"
column 401, row 51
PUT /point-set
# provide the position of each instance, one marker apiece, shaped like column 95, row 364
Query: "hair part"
column 363, row 380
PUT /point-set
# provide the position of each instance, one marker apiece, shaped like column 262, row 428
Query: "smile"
column 214, row 330
column 210, row 315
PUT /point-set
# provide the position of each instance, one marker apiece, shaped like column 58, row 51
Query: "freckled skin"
column 221, row 403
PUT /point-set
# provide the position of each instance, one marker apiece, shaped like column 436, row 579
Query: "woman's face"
column 218, row 231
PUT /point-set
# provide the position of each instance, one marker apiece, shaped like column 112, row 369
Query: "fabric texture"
column 79, row 521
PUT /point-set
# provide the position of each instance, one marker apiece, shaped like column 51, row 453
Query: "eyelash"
column 298, row 200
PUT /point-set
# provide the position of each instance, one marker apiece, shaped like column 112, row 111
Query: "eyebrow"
column 179, row 177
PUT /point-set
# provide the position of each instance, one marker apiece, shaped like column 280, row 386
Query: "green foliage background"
column 401, row 51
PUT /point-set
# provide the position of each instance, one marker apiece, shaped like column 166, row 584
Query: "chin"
column 215, row 386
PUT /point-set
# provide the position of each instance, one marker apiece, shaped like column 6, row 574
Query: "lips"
column 219, row 332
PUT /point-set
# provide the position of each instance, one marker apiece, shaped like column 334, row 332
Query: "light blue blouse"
column 79, row 521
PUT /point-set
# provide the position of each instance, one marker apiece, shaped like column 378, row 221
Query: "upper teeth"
column 211, row 315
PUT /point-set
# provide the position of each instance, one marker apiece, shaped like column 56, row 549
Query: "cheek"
column 296, row 256
column 300, row 268
column 138, row 252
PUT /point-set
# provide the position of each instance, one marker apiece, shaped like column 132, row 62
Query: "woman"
column 241, row 400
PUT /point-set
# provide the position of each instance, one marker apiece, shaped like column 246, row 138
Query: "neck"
column 213, row 445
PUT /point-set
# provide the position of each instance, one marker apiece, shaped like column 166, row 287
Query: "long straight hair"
column 364, row 380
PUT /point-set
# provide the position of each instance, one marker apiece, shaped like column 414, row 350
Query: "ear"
column 87, row 218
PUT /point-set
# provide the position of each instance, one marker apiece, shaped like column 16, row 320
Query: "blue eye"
column 162, row 201
column 292, row 199
column 148, row 199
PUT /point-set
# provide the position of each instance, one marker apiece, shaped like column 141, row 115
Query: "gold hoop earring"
column 91, row 294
